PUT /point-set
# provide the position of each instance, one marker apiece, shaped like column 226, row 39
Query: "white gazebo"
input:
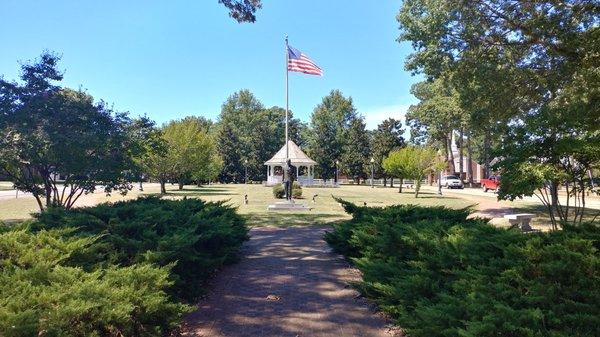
column 305, row 167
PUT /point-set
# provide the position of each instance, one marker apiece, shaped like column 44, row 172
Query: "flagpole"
column 287, row 150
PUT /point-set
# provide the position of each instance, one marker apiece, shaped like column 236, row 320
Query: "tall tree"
column 386, row 138
column 434, row 118
column 328, row 126
column 242, row 135
column 228, row 146
column 145, row 140
column 49, row 134
column 518, row 65
column 356, row 150
column 190, row 150
column 249, row 132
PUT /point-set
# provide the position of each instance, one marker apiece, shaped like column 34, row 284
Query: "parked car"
column 491, row 183
column 452, row 182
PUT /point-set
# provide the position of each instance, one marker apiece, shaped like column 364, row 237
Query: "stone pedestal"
column 288, row 206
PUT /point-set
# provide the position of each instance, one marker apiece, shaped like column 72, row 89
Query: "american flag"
column 301, row 63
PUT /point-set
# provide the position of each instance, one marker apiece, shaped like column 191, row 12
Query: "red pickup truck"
column 491, row 183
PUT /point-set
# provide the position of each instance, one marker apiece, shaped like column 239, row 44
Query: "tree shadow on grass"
column 197, row 193
column 11, row 222
column 435, row 196
column 194, row 192
column 543, row 217
column 285, row 219
column 197, row 189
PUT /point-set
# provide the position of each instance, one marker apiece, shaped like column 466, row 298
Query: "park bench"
column 522, row 220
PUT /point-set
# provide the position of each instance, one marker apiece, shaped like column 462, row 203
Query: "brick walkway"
column 288, row 284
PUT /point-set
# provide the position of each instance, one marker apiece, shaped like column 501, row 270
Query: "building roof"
column 297, row 156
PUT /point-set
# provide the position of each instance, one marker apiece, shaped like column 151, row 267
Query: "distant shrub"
column 296, row 190
column 438, row 273
column 279, row 191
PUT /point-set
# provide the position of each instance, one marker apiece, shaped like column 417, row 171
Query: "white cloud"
column 375, row 115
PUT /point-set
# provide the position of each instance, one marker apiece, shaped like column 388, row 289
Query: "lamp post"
column 337, row 163
column 440, row 176
column 246, row 171
column 372, row 168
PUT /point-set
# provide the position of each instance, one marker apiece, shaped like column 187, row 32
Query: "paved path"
column 288, row 284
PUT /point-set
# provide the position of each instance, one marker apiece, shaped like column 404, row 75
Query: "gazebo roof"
column 297, row 156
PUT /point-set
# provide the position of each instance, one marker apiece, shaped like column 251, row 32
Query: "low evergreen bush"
column 120, row 269
column 42, row 294
column 438, row 273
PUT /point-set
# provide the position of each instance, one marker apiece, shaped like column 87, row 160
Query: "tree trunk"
column 47, row 188
column 554, row 198
column 460, row 154
column 486, row 155
column 469, row 160
column 163, row 190
column 392, row 182
column 38, row 200
column 400, row 187
column 180, row 184
column 384, row 181
column 417, row 187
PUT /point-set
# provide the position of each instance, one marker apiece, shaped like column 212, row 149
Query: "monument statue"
column 287, row 180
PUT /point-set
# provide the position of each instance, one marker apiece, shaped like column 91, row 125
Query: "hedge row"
column 122, row 269
column 438, row 273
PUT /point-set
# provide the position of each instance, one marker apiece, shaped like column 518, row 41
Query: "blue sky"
column 173, row 58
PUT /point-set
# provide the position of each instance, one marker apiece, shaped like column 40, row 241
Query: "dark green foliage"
column 248, row 134
column 48, row 132
column 196, row 236
column 386, row 138
column 242, row 10
column 329, row 124
column 440, row 274
column 279, row 191
column 355, row 157
column 42, row 294
column 112, row 270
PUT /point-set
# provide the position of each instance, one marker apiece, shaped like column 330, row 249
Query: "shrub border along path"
column 288, row 284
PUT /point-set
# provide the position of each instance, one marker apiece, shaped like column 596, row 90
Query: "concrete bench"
column 522, row 220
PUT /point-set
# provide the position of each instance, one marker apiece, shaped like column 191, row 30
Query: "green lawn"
column 325, row 209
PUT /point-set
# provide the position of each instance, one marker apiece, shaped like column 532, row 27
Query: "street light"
column 439, row 176
column 337, row 163
column 246, row 171
column 372, row 166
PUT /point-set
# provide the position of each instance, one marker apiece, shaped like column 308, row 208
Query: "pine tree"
column 386, row 138
column 228, row 147
column 355, row 157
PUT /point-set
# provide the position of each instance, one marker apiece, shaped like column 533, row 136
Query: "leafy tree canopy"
column 328, row 127
column 242, row 10
column 57, row 143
